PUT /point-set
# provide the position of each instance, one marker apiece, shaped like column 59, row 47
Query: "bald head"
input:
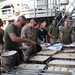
column 20, row 21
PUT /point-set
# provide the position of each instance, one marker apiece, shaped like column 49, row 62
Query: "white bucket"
column 9, row 59
column 9, row 53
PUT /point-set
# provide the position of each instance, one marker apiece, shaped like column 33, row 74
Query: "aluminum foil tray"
column 55, row 73
column 66, row 63
column 60, row 68
column 47, row 52
column 30, row 67
column 64, row 56
column 39, row 59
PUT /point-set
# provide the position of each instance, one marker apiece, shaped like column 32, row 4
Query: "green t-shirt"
column 9, row 44
column 67, row 35
column 1, row 36
column 54, row 30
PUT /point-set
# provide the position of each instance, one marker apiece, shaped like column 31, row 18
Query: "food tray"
column 69, row 50
column 27, row 72
column 69, row 45
column 20, row 73
column 66, row 63
column 46, row 72
column 39, row 59
column 61, row 69
column 64, row 56
column 23, row 73
column 47, row 52
column 32, row 66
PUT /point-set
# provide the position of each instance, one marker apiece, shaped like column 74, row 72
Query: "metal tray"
column 69, row 50
column 45, row 72
column 69, row 45
column 31, row 67
column 39, row 59
column 66, row 63
column 23, row 73
column 60, row 68
column 26, row 72
column 64, row 56
column 47, row 52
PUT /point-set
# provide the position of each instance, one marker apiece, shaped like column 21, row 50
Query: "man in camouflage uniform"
column 29, row 32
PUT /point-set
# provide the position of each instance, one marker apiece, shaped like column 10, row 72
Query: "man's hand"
column 34, row 43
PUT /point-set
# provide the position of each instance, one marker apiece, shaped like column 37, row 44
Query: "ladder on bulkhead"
column 71, row 16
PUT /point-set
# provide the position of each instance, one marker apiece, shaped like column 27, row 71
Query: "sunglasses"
column 21, row 22
column 34, row 24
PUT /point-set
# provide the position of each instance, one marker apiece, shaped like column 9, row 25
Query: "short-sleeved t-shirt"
column 8, row 43
column 1, row 36
column 54, row 30
column 67, row 35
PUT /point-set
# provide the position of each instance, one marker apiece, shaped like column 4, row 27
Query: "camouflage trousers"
column 1, row 48
column 28, row 53
column 10, row 61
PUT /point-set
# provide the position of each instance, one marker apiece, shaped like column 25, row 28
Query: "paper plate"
column 9, row 53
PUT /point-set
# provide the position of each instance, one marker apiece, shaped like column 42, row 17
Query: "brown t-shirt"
column 54, row 31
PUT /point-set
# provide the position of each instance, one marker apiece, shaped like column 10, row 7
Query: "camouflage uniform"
column 29, row 33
